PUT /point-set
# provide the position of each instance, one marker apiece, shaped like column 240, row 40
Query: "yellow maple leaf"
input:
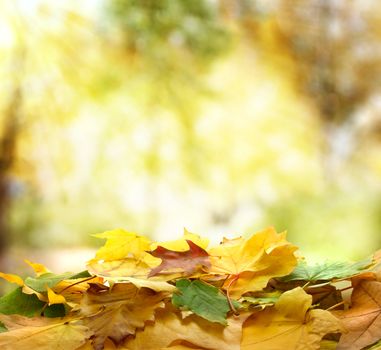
column 121, row 244
column 42, row 333
column 288, row 325
column 250, row 263
column 169, row 327
column 181, row 245
column 124, row 254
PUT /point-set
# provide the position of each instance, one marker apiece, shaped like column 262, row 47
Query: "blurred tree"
column 331, row 50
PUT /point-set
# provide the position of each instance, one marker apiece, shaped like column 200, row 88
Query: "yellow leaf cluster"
column 179, row 295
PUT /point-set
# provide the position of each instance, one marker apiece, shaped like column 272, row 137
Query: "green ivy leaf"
column 202, row 299
column 51, row 279
column 16, row 302
column 326, row 271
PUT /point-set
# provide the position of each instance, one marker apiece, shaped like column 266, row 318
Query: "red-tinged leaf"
column 189, row 261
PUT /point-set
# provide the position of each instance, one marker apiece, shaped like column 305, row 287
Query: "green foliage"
column 158, row 29
column 326, row 271
column 16, row 302
column 49, row 279
column 202, row 299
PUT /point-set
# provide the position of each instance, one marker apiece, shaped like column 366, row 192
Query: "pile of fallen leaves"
column 246, row 293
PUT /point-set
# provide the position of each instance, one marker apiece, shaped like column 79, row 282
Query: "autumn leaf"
column 12, row 278
column 42, row 334
column 202, row 299
column 326, row 271
column 121, row 244
column 49, row 280
column 363, row 320
column 123, row 255
column 250, row 263
column 16, row 302
column 152, row 283
column 288, row 325
column 188, row 261
column 181, row 245
column 118, row 312
column 169, row 327
column 39, row 269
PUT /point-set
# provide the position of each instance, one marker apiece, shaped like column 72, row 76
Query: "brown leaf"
column 170, row 328
column 118, row 312
column 174, row 261
column 363, row 319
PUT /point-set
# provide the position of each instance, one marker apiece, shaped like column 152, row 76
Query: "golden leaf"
column 118, row 312
column 29, row 333
column 288, row 325
column 170, row 327
column 252, row 262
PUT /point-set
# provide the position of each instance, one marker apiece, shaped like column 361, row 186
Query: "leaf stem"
column 78, row 282
column 336, row 305
column 235, row 278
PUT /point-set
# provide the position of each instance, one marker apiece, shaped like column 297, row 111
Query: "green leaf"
column 202, row 299
column 326, row 271
column 55, row 310
column 50, row 279
column 16, row 302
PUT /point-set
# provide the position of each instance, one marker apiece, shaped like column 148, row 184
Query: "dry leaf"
column 251, row 262
column 288, row 325
column 170, row 327
column 363, row 319
column 187, row 261
column 28, row 333
column 118, row 312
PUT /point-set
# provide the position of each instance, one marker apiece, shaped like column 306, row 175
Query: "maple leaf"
column 363, row 319
column 118, row 312
column 121, row 244
column 172, row 261
column 169, row 327
column 250, row 263
column 181, row 244
column 326, row 271
column 288, row 325
column 42, row 333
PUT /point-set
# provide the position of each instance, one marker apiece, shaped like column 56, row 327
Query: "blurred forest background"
column 221, row 116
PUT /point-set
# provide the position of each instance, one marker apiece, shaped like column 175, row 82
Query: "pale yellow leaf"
column 51, row 334
column 155, row 284
column 170, row 327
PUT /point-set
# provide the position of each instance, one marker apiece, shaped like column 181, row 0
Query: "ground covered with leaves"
column 246, row 293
